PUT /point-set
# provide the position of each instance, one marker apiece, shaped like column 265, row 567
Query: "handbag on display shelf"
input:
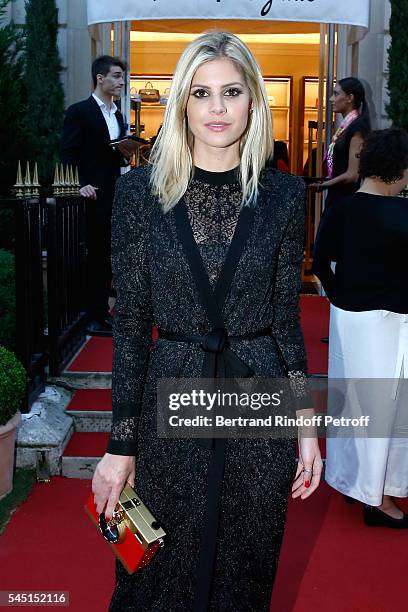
column 149, row 94
column 133, row 533
column 164, row 98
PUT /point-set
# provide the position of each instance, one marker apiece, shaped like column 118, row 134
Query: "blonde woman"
column 207, row 244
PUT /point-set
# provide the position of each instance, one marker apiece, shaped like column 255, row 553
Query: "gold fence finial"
column 56, row 186
column 67, row 183
column 19, row 182
column 77, row 183
column 71, row 180
column 19, row 179
column 36, row 185
column 62, row 180
column 27, row 181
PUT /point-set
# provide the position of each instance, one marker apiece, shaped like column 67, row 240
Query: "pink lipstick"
column 217, row 126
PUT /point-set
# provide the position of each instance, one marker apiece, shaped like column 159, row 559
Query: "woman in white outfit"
column 367, row 236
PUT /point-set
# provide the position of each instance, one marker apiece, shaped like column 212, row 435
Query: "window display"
column 279, row 91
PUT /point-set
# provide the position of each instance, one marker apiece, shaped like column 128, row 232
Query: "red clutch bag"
column 133, row 533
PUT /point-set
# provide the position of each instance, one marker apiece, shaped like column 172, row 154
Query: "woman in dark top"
column 349, row 100
column 367, row 236
column 208, row 245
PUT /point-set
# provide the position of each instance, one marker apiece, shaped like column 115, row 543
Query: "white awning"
column 348, row 12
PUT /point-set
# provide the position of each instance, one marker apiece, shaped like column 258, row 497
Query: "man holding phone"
column 89, row 127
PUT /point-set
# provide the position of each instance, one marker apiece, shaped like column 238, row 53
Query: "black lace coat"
column 154, row 285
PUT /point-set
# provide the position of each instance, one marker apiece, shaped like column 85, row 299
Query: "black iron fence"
column 66, row 259
column 47, row 238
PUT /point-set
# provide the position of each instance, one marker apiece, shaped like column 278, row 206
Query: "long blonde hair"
column 171, row 156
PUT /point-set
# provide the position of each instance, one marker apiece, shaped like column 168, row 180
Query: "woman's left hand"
column 309, row 469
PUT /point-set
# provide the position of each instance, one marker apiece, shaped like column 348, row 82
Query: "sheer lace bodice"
column 213, row 202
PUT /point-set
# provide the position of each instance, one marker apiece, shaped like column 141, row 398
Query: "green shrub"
column 7, row 232
column 23, row 482
column 397, row 108
column 7, row 300
column 14, row 103
column 13, row 380
column 42, row 128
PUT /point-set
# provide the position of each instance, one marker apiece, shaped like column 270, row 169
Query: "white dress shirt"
column 110, row 118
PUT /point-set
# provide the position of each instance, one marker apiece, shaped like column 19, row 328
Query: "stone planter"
column 7, row 442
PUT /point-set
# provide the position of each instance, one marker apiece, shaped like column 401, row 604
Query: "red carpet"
column 97, row 400
column 329, row 562
column 87, row 444
column 96, row 356
column 50, row 544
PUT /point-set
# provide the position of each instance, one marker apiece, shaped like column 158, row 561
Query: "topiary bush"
column 7, row 300
column 13, row 381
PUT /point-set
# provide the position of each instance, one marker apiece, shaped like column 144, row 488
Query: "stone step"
column 44, row 432
column 90, row 368
column 91, row 410
column 82, row 453
column 82, row 380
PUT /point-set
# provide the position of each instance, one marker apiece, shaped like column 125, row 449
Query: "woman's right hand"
column 89, row 191
column 111, row 475
column 318, row 187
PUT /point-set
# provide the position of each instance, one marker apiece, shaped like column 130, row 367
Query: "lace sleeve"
column 286, row 322
column 133, row 311
column 300, row 388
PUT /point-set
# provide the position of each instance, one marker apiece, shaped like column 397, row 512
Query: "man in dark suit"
column 88, row 128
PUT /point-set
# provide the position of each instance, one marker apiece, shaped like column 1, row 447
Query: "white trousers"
column 370, row 344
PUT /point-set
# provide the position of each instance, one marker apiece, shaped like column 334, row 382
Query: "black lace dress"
column 154, row 285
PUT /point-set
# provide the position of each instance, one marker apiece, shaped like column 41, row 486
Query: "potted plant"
column 13, row 381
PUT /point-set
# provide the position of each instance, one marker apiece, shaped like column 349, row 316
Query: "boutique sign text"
column 351, row 12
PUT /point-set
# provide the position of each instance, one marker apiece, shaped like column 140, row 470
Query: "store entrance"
column 295, row 60
column 287, row 52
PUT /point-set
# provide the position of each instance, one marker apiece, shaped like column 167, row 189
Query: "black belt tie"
column 219, row 360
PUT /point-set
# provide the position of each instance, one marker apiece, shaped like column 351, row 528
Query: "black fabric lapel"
column 195, row 262
column 225, row 364
column 236, row 248
column 213, row 300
